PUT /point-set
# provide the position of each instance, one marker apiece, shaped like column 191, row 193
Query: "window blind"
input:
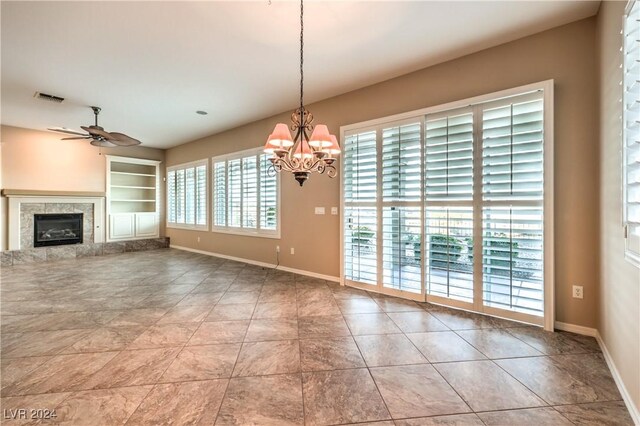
column 448, row 171
column 201, row 195
column 401, row 245
column 361, row 216
column 220, row 193
column 450, row 203
column 187, row 195
column 360, row 158
column 513, row 258
column 401, row 162
column 631, row 129
column 360, row 237
column 234, row 188
column 449, row 252
column 449, row 156
column 171, row 196
column 249, row 192
column 512, row 154
column 268, row 195
column 512, row 216
column 245, row 194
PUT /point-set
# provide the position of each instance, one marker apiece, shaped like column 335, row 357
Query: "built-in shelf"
column 132, row 187
column 133, row 174
column 133, row 198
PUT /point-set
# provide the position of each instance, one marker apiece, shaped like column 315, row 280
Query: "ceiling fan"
column 97, row 134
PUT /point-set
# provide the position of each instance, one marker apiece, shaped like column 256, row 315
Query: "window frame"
column 630, row 254
column 257, row 232
column 184, row 166
column 547, row 86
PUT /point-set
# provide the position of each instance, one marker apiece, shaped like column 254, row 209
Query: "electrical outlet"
column 198, row 239
column 277, row 249
column 334, row 210
column 293, row 251
column 578, row 292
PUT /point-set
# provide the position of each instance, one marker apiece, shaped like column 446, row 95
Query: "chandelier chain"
column 301, row 53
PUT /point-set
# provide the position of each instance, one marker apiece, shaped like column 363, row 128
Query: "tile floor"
column 170, row 337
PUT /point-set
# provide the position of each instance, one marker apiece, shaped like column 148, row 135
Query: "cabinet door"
column 121, row 226
column 146, row 225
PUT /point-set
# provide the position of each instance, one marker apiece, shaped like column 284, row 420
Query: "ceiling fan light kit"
column 310, row 150
column 98, row 136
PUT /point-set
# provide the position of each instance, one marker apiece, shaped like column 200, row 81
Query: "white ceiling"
column 151, row 65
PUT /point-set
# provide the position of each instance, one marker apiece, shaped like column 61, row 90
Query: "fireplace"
column 57, row 229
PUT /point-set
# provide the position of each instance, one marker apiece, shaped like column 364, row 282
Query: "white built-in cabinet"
column 133, row 191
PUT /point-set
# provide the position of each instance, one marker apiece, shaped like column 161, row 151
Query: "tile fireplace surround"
column 22, row 207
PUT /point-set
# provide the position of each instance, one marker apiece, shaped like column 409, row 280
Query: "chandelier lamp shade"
column 311, row 149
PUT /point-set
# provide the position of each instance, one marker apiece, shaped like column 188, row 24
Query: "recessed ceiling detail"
column 158, row 59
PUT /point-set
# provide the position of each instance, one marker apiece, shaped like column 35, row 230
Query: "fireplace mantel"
column 38, row 193
column 18, row 198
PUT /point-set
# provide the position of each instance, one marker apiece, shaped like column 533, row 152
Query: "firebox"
column 57, row 229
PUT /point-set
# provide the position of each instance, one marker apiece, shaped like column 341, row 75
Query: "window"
column 631, row 131
column 187, row 195
column 448, row 204
column 245, row 194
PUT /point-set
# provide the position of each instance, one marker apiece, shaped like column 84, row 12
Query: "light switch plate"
column 319, row 210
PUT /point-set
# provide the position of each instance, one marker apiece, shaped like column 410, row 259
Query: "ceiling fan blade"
column 123, row 140
column 63, row 130
column 78, row 137
column 96, row 131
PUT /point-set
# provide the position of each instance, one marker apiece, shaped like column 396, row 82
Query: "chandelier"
column 312, row 149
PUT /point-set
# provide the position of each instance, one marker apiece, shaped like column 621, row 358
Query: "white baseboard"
column 578, row 329
column 262, row 264
column 633, row 410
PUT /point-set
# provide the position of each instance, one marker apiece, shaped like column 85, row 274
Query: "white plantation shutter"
column 171, row 196
column 268, row 195
column 360, row 236
column 451, row 204
column 220, row 193
column 512, row 155
column 187, row 195
column 401, row 194
column 180, row 180
column 245, row 194
column 401, row 245
column 360, row 158
column 448, row 248
column 631, row 130
column 449, row 252
column 361, row 217
column 512, row 256
column 449, row 156
column 512, row 217
column 249, row 192
column 401, row 162
column 234, row 189
column 201, row 195
column 190, row 196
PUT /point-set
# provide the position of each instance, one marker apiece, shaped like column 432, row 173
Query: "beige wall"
column 33, row 159
column 565, row 54
column 619, row 296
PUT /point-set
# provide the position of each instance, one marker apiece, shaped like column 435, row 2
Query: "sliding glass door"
column 449, row 205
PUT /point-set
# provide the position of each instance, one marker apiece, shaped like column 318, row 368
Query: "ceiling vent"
column 47, row 97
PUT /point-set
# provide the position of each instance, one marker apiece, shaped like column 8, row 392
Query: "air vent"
column 47, row 97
